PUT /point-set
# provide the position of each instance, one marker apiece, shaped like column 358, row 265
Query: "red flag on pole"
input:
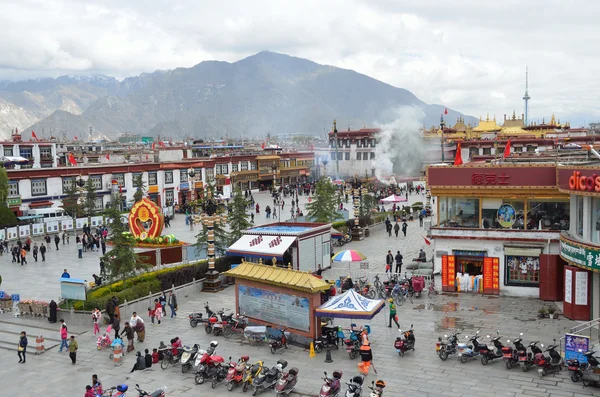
column 75, row 137
column 72, row 159
column 161, row 143
column 507, row 149
column 108, row 156
column 426, row 241
column 263, row 145
column 33, row 135
column 458, row 158
column 446, row 111
column 153, row 145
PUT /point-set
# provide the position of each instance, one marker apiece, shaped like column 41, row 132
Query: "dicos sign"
column 584, row 183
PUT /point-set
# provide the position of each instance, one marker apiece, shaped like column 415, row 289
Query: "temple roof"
column 487, row 125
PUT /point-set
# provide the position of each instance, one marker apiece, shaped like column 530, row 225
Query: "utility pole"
column 526, row 97
column 442, row 124
column 337, row 156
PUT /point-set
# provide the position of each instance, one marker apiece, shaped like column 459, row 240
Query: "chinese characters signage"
column 498, row 177
column 575, row 346
column 448, row 273
column 580, row 254
column 491, row 275
column 489, row 178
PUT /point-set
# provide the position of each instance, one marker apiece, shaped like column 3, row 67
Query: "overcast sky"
column 468, row 55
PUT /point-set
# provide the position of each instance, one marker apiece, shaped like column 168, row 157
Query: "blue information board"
column 15, row 297
column 575, row 346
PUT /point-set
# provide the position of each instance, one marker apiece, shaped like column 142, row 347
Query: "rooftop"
column 280, row 277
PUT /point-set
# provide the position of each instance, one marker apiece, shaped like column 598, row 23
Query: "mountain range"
column 264, row 93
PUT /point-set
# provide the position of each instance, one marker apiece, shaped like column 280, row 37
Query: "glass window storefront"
column 522, row 270
column 459, row 212
column 549, row 214
column 579, row 224
column 596, row 220
column 509, row 219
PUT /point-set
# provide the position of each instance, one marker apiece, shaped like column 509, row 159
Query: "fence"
column 359, row 271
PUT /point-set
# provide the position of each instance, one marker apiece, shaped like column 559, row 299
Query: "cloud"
column 469, row 55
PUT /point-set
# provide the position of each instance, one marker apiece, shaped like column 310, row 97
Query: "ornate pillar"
column 212, row 282
column 357, row 232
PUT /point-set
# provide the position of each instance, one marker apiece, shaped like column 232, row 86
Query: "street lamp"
column 191, row 175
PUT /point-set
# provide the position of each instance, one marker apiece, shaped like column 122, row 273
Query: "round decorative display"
column 507, row 215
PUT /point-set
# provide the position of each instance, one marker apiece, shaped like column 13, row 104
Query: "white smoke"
column 400, row 147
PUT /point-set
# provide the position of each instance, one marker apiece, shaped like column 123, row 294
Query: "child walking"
column 96, row 314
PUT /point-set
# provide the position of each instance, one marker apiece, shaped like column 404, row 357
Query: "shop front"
column 498, row 227
column 580, row 245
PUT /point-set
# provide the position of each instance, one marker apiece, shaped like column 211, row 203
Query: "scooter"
column 332, row 386
column 549, row 364
column 208, row 363
column 466, row 352
column 235, row 374
column 527, row 359
column 197, row 317
column 286, row 384
column 214, row 325
column 268, row 380
column 279, row 342
column 253, row 372
column 160, row 392
column 488, row 354
column 589, row 372
column 188, row 356
column 444, row 349
column 510, row 355
column 377, row 388
column 405, row 342
column 355, row 386
column 219, row 374
column 121, row 390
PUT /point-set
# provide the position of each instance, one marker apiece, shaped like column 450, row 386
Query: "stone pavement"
column 39, row 280
column 418, row 373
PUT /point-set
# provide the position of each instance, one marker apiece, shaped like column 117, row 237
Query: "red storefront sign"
column 448, row 273
column 580, row 180
column 491, row 275
column 499, row 177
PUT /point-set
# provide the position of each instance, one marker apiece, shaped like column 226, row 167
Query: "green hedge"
column 146, row 283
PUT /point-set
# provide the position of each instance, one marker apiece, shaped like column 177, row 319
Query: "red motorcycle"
column 332, row 386
column 286, row 384
column 207, row 366
column 405, row 342
column 235, row 374
column 236, row 324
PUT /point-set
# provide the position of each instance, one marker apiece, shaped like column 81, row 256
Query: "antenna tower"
column 526, row 97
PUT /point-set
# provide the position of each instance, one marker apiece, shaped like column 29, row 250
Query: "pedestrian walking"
column 128, row 331
column 22, row 348
column 23, row 256
column 366, row 357
column 73, row 346
column 404, row 227
column 52, row 309
column 173, row 304
column 393, row 315
column 116, row 325
column 56, row 241
column 389, row 260
column 35, row 252
column 420, row 220
column 158, row 311
column 398, row 263
column 163, row 303
column 103, row 244
column 43, row 252
column 396, row 229
column 63, row 336
column 274, row 213
column 79, row 245
column 48, row 240
column 96, row 314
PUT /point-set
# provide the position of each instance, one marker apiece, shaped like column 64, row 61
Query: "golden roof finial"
column 552, row 120
column 543, row 120
column 334, row 124
column 260, row 261
column 514, row 117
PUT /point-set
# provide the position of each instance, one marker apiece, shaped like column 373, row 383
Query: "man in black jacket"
column 398, row 263
column 389, row 260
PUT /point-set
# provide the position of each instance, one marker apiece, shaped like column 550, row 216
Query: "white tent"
column 393, row 199
column 350, row 305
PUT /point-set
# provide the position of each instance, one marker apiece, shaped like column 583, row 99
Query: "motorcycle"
column 207, row 365
column 237, row 324
column 188, row 356
column 220, row 372
column 169, row 358
column 549, row 364
column 589, row 372
column 355, row 386
column 160, row 392
column 268, row 380
column 444, row 349
column 277, row 340
column 488, row 354
column 329, row 338
column 418, row 284
column 353, row 344
column 405, row 342
column 120, row 390
column 214, row 325
column 527, row 360
column 286, row 384
column 332, row 386
column 253, row 372
column 197, row 317
column 510, row 355
column 236, row 372
column 469, row 351
column 377, row 388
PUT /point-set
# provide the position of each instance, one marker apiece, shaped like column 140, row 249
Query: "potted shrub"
column 542, row 312
column 552, row 312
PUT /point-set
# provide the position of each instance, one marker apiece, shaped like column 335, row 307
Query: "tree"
column 140, row 192
column 323, row 207
column 3, row 186
column 7, row 217
column 239, row 219
column 121, row 261
column 89, row 202
column 71, row 203
column 222, row 239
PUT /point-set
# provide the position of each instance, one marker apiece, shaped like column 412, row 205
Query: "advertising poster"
column 97, row 221
column 38, row 228
column 2, row 234
column 52, row 227
column 568, row 286
column 67, row 224
column 12, row 233
column 575, row 346
column 79, row 222
column 282, row 309
column 581, row 288
column 24, row 231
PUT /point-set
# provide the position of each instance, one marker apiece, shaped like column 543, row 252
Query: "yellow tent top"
column 280, row 277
